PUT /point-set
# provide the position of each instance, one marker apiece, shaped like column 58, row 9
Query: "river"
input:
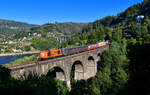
column 8, row 59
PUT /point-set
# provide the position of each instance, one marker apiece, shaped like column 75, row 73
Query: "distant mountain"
column 9, row 27
column 66, row 28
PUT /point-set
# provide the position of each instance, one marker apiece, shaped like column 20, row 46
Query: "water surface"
column 8, row 59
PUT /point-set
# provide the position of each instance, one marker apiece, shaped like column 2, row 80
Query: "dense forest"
column 124, row 69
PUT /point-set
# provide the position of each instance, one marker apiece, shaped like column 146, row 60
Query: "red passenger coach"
column 91, row 47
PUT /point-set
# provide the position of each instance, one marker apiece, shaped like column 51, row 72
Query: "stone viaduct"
column 84, row 65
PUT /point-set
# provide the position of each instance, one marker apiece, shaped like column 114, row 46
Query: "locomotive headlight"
column 41, row 54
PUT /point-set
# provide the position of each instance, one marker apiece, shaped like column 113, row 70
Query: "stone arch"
column 57, row 72
column 91, row 67
column 77, row 70
column 99, row 55
column 91, row 61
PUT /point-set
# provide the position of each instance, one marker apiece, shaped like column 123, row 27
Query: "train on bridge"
column 52, row 53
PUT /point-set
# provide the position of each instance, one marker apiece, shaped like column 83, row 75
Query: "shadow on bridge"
column 57, row 72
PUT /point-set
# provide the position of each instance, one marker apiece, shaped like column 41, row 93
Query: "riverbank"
column 9, row 59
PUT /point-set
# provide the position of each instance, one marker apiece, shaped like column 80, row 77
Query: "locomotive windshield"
column 48, row 52
column 58, row 51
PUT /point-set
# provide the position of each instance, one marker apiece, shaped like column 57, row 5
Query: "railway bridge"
column 84, row 65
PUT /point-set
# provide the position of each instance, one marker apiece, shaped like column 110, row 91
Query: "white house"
column 139, row 18
column 15, row 50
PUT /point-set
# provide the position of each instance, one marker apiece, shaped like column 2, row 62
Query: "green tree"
column 140, row 31
column 100, row 84
column 108, row 33
column 132, row 41
column 45, row 43
column 79, row 88
column 119, row 48
column 27, row 48
column 112, row 66
column 100, row 33
column 147, row 39
column 94, row 90
column 92, row 38
column 117, row 34
column 146, row 6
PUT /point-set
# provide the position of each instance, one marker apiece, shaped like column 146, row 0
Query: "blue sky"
column 43, row 11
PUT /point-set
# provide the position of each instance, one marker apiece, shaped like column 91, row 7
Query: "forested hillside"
column 8, row 27
column 67, row 28
column 124, row 22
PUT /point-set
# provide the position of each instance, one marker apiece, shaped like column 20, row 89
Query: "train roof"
column 75, row 47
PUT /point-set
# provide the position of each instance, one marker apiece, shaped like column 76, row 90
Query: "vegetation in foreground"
column 31, row 85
